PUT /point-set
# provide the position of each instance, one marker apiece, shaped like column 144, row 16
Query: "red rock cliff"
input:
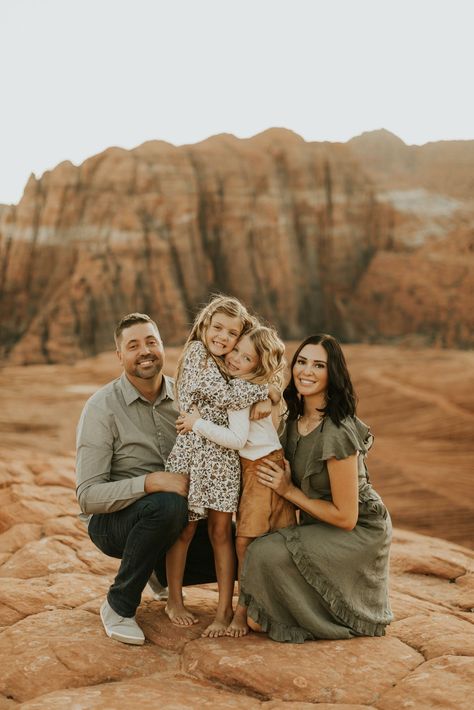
column 274, row 220
column 295, row 229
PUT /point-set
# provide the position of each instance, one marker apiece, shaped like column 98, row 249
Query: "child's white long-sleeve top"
column 253, row 439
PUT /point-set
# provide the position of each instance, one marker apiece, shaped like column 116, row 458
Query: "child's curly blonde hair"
column 219, row 303
column 271, row 355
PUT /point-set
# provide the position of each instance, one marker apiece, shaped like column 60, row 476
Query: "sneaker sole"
column 133, row 641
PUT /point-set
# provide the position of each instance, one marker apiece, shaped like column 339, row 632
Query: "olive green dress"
column 314, row 580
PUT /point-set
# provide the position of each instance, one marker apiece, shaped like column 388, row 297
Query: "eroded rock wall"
column 287, row 226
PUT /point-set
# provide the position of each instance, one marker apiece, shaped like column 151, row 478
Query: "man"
column 134, row 509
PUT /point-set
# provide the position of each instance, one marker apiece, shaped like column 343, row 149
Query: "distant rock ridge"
column 302, row 232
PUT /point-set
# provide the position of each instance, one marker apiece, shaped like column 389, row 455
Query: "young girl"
column 257, row 357
column 214, row 471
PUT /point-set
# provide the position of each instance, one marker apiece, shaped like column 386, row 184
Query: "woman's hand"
column 275, row 477
column 260, row 410
column 185, row 421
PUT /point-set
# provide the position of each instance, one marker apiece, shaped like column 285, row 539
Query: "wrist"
column 291, row 493
column 151, row 484
column 274, row 394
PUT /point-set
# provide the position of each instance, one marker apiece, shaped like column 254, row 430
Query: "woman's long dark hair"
column 341, row 399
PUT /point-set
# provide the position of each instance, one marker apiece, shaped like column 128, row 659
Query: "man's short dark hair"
column 128, row 321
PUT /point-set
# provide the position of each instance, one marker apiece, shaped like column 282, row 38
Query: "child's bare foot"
column 218, row 626
column 238, row 626
column 179, row 615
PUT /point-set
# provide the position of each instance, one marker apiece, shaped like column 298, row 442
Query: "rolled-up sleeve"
column 96, row 490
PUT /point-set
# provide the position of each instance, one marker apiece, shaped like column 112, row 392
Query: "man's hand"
column 165, row 482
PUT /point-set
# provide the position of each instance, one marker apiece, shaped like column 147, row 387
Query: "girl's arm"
column 342, row 511
column 232, row 437
column 207, row 382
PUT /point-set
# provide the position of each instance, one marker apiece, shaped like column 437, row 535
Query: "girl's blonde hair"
column 271, row 354
column 219, row 303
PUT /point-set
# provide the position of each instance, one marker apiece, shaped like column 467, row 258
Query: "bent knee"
column 167, row 508
column 269, row 550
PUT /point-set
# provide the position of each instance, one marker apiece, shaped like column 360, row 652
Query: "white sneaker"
column 121, row 628
column 160, row 593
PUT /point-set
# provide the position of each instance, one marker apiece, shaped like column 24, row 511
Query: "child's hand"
column 274, row 393
column 275, row 477
column 185, row 421
column 260, row 410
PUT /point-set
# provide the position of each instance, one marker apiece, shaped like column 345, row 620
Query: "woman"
column 328, row 576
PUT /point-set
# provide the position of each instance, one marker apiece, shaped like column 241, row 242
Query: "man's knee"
column 168, row 509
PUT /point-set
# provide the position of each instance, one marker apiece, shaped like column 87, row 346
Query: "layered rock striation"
column 350, row 239
column 287, row 226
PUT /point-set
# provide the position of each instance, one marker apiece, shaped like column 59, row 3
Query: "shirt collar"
column 131, row 394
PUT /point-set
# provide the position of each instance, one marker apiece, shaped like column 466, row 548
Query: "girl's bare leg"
column 239, row 626
column 220, row 535
column 175, row 563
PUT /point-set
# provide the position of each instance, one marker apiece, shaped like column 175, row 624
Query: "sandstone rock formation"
column 54, row 653
column 420, row 289
column 272, row 219
column 417, row 401
column 371, row 241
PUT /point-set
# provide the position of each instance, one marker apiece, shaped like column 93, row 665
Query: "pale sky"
column 78, row 76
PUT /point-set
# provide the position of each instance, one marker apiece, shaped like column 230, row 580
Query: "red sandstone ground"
column 417, row 401
column 54, row 654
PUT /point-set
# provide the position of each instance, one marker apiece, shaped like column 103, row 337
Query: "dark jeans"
column 140, row 536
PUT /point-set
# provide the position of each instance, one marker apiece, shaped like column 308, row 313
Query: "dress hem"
column 276, row 631
column 314, row 577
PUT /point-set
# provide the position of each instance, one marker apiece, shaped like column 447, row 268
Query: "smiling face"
column 140, row 351
column 243, row 358
column 310, row 371
column 222, row 334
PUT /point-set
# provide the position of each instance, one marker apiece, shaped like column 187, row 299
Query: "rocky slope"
column 372, row 240
column 420, row 289
column 417, row 401
column 55, row 655
column 287, row 226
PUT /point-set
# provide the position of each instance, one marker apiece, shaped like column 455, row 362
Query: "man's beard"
column 149, row 372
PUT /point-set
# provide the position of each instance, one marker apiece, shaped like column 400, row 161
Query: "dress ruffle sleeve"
column 342, row 441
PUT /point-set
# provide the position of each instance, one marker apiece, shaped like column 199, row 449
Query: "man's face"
column 140, row 351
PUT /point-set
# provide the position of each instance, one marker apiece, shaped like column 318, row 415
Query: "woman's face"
column 310, row 371
column 222, row 334
column 243, row 358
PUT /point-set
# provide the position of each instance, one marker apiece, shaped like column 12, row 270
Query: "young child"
column 214, row 471
column 257, row 357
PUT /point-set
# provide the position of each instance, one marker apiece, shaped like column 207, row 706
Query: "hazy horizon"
column 85, row 76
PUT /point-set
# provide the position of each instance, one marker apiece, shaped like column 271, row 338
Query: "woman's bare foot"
column 238, row 626
column 218, row 626
column 254, row 626
column 179, row 615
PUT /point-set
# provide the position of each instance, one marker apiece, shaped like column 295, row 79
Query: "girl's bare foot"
column 238, row 626
column 179, row 615
column 218, row 626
